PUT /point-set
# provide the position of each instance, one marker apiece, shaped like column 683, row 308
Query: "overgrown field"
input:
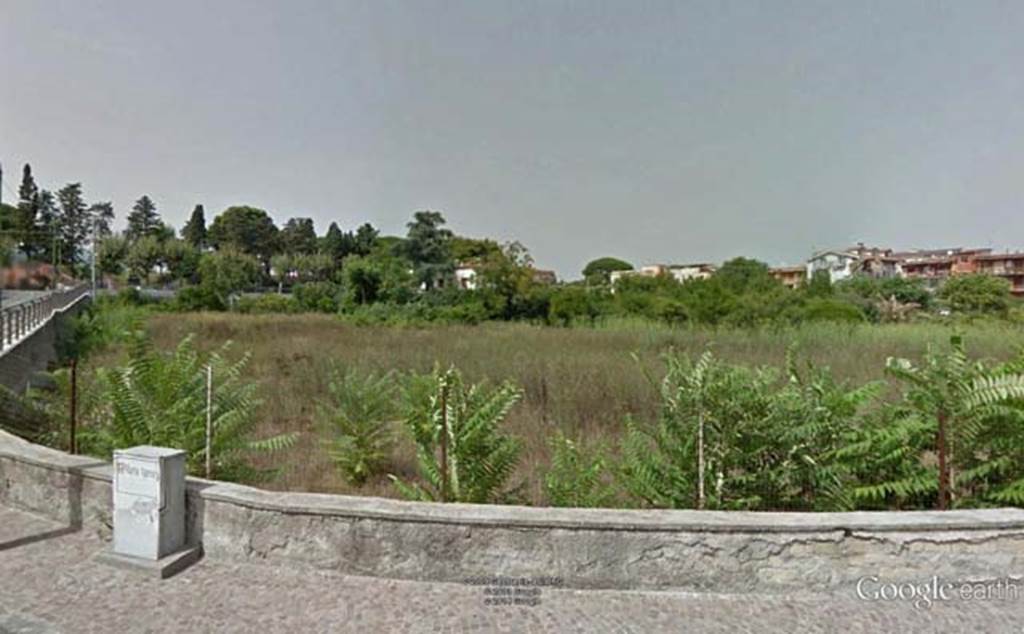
column 583, row 381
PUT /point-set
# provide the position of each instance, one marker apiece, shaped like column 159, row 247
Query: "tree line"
column 372, row 278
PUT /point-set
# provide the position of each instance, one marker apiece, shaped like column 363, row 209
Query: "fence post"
column 74, row 405
column 209, row 417
column 444, row 440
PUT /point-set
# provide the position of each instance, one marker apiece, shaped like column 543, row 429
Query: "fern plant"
column 461, row 454
column 159, row 398
column 577, row 477
column 356, row 421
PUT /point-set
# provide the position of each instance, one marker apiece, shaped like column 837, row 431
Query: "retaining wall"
column 625, row 549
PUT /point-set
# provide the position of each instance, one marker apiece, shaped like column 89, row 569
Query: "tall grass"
column 582, row 381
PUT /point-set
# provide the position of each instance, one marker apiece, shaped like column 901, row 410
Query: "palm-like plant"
column 577, row 475
column 357, row 421
column 161, row 399
column 708, row 408
column 461, row 454
column 969, row 405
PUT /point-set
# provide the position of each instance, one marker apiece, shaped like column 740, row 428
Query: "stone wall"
column 626, row 549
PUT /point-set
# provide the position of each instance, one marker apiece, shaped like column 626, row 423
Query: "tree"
column 144, row 254
column 47, row 226
column 101, row 215
column 363, row 280
column 181, row 259
column 428, row 247
column 227, row 272
column 298, row 236
column 194, row 231
column 977, row 293
column 336, row 244
column 25, row 223
column 246, row 229
column 508, row 273
column 820, row 284
column 143, row 220
column 73, row 222
column 599, row 271
column 572, row 302
column 112, row 255
column 745, row 275
column 365, row 239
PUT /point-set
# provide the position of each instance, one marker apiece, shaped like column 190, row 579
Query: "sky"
column 652, row 131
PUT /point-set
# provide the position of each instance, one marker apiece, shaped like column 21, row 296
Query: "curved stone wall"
column 585, row 548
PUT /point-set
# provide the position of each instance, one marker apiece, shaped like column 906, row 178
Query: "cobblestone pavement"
column 49, row 582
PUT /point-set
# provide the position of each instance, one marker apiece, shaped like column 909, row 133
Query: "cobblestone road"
column 49, row 582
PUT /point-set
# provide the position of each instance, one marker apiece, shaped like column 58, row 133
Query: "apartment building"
column 1009, row 266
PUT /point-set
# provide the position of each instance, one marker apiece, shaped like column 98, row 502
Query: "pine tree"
column 47, row 225
column 102, row 214
column 333, row 243
column 194, row 231
column 143, row 220
column 72, row 222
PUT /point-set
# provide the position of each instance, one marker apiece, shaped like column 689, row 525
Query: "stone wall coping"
column 526, row 517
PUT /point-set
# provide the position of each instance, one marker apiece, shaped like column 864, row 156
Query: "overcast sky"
column 654, row 131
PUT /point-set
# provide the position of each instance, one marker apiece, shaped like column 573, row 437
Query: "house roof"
column 845, row 254
column 1016, row 255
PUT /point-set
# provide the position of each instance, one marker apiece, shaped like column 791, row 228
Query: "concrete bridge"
column 29, row 323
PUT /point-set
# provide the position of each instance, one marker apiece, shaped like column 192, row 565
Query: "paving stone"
column 50, row 582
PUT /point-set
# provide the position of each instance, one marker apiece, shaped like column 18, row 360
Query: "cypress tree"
column 194, row 231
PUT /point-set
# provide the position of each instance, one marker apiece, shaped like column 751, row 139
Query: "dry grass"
column 584, row 381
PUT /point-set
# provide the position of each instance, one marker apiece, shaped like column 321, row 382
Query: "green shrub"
column 357, row 421
column 161, row 399
column 479, row 458
column 577, row 477
column 317, row 296
column 823, row 309
column 197, row 298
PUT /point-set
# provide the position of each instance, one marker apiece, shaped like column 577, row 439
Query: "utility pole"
column 94, row 245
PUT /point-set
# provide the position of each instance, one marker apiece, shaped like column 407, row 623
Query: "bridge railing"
column 21, row 320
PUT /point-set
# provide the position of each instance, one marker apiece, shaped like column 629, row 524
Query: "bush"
column 197, row 298
column 317, row 296
column 356, row 419
column 160, row 399
column 977, row 294
column 821, row 309
column 479, row 459
column 577, row 476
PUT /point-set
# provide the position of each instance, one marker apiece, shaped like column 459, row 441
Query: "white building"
column 465, row 277
column 839, row 264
